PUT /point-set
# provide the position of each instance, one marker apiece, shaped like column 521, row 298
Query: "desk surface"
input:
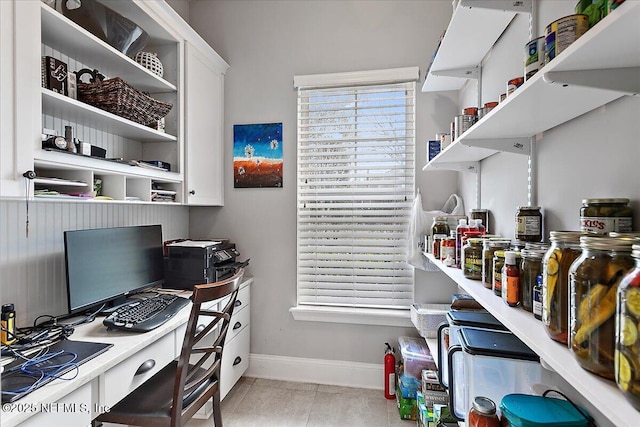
column 124, row 345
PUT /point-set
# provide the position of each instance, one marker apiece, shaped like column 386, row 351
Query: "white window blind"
column 356, row 175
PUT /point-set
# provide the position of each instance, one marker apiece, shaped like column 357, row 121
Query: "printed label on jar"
column 537, row 303
column 604, row 225
column 528, row 226
column 446, row 251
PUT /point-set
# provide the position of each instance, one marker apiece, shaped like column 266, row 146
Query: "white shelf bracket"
column 625, row 80
column 472, row 167
column 471, row 72
column 510, row 145
column 520, row 6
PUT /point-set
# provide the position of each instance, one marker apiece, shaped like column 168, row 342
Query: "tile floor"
column 270, row 403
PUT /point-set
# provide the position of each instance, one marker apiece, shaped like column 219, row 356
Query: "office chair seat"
column 175, row 393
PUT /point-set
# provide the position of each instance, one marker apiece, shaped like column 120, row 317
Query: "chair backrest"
column 196, row 382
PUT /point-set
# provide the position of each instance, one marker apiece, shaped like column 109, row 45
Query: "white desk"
column 107, row 378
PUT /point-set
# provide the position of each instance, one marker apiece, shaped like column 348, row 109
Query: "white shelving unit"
column 596, row 69
column 462, row 48
column 603, row 394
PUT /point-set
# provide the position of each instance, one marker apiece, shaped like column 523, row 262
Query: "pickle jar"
column 440, row 226
column 529, row 224
column 627, row 345
column 594, row 278
column 472, row 263
column 498, row 263
column 602, row 216
column 530, row 269
column 563, row 250
column 489, row 246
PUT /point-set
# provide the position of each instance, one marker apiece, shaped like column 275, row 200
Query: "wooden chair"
column 174, row 394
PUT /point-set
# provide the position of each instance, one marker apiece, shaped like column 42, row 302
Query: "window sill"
column 358, row 316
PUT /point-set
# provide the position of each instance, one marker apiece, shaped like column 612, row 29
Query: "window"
column 356, row 179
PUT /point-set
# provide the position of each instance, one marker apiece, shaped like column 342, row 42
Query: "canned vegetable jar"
column 529, row 224
column 604, row 216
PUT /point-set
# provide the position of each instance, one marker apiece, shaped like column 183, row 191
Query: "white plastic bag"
column 419, row 226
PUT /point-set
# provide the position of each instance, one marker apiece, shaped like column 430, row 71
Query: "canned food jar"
column 529, row 224
column 472, row 264
column 489, row 247
column 534, row 57
column 627, row 346
column 482, row 413
column 562, row 32
column 594, row 278
column 514, row 84
column 471, row 111
column 530, row 270
column 440, row 226
column 498, row 263
column 563, row 250
column 604, row 216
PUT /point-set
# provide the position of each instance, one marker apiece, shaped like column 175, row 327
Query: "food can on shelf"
column 514, row 84
column 534, row 57
column 594, row 278
column 503, row 96
column 562, row 32
column 452, row 130
column 489, row 247
column 498, row 263
column 470, row 111
column 472, row 263
column 529, row 224
column 602, row 216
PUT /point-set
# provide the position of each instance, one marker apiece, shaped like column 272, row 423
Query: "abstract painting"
column 257, row 155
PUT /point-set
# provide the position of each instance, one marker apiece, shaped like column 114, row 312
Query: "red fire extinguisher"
column 389, row 373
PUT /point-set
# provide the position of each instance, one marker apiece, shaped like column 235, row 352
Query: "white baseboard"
column 317, row 371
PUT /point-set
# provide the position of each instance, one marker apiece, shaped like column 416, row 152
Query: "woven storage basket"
column 117, row 97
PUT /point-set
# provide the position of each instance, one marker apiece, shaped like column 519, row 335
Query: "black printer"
column 193, row 262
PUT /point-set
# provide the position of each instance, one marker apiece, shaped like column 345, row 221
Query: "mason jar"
column 602, row 216
column 530, row 269
column 472, row 262
column 563, row 250
column 594, row 278
column 489, row 246
column 627, row 345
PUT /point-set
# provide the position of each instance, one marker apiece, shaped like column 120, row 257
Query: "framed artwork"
column 257, row 155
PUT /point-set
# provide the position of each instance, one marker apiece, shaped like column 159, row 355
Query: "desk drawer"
column 239, row 321
column 242, row 300
column 122, row 378
column 235, row 360
column 73, row 410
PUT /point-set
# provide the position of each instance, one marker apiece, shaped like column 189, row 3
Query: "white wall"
column 266, row 43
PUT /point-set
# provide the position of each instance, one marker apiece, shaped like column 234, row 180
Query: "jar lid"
column 484, row 405
column 533, row 253
column 623, row 244
column 478, row 210
column 566, row 236
column 496, row 243
column 629, row 234
column 603, row 201
column 475, row 240
column 529, row 208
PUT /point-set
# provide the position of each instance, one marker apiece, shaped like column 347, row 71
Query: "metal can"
column 562, row 32
column 529, row 224
column 472, row 264
column 602, row 216
column 514, row 84
column 503, row 96
column 594, row 278
column 533, row 57
column 564, row 249
column 470, row 111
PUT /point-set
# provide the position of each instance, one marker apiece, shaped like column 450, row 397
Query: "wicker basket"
column 117, row 97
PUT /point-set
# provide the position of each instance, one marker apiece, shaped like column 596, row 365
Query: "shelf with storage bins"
column 122, row 138
column 463, row 47
column 602, row 394
column 593, row 71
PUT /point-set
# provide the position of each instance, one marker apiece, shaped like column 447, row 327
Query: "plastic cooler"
column 415, row 356
column 490, row 364
column 448, row 336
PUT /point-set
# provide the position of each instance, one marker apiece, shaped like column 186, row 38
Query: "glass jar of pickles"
column 603, row 216
column 489, row 246
column 563, row 250
column 472, row 263
column 627, row 345
column 594, row 278
column 530, row 270
column 529, row 224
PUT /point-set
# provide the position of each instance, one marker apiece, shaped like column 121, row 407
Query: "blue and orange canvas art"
column 257, row 155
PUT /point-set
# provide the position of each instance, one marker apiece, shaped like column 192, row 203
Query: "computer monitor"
column 105, row 265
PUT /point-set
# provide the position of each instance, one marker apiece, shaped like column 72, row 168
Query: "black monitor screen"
column 108, row 263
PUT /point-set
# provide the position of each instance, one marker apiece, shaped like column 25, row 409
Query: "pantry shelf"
column 603, row 394
column 585, row 76
column 463, row 47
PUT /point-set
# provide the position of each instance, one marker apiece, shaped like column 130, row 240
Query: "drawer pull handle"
column 238, row 325
column 146, row 366
column 199, row 329
column 237, row 361
column 238, row 303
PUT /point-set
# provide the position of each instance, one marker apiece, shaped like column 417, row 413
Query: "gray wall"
column 266, row 43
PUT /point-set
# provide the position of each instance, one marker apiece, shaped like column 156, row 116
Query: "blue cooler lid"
column 484, row 342
column 476, row 319
column 524, row 410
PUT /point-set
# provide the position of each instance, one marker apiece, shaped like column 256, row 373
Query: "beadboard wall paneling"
column 32, row 272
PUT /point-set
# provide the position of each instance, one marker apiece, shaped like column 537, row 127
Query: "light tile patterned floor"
column 269, row 403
